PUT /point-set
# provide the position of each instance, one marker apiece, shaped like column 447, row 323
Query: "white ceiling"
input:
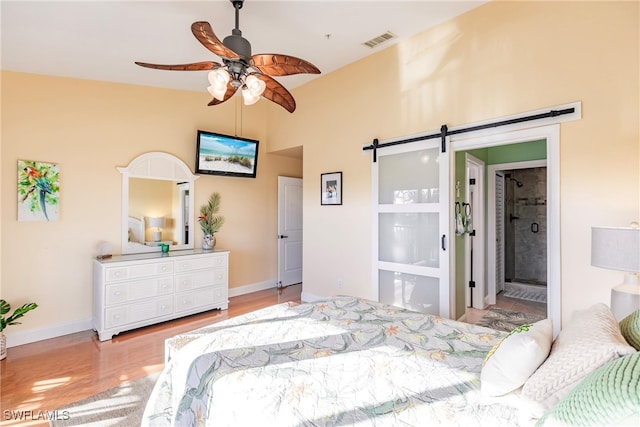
column 100, row 40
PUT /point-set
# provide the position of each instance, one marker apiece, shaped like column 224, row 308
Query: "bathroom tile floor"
column 473, row 315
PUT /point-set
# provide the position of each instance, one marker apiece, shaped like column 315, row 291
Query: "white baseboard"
column 247, row 289
column 26, row 337
column 19, row 338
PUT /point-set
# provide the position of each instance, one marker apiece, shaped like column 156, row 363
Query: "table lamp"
column 618, row 248
column 156, row 222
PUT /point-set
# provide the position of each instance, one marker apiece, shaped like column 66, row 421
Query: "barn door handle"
column 443, row 242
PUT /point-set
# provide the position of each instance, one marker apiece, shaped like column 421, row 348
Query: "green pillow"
column 609, row 395
column 630, row 328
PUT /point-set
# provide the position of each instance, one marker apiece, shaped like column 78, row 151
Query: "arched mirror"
column 157, row 203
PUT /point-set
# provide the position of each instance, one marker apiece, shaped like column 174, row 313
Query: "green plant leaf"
column 4, row 307
column 18, row 313
column 209, row 222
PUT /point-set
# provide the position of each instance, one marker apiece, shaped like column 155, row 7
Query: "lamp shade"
column 155, row 221
column 616, row 248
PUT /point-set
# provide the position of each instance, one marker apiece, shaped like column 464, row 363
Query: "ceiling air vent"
column 379, row 40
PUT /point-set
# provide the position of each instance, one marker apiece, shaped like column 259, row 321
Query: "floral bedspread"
column 343, row 361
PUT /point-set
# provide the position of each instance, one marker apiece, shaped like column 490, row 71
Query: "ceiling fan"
column 241, row 70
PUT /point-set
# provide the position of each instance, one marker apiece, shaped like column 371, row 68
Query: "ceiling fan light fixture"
column 249, row 98
column 219, row 79
column 255, row 86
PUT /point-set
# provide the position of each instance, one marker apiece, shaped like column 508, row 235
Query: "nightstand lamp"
column 618, row 248
column 157, row 222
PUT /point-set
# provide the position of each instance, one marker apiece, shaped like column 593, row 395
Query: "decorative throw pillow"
column 590, row 340
column 630, row 328
column 608, row 396
column 512, row 360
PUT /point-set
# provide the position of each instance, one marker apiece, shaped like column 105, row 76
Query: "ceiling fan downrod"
column 237, row 5
column 235, row 41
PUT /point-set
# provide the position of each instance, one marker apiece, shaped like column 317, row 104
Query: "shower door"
column 410, row 192
column 499, row 231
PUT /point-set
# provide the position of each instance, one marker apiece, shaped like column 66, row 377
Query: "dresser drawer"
column 141, row 311
column 220, row 261
column 194, row 280
column 187, row 301
column 119, row 293
column 220, row 277
column 192, row 264
column 138, row 271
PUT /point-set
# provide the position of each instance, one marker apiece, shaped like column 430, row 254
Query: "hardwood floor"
column 51, row 374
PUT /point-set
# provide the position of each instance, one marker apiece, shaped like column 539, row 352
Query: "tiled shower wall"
column 526, row 226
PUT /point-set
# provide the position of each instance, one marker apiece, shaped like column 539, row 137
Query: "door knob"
column 282, row 236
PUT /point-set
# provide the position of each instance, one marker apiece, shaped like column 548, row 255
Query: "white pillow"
column 512, row 361
column 590, row 340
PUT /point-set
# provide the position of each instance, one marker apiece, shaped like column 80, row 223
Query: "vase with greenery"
column 5, row 308
column 210, row 223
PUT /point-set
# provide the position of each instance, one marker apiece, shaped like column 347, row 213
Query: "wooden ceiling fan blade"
column 277, row 93
column 228, row 94
column 205, row 35
column 196, row 66
column 274, row 64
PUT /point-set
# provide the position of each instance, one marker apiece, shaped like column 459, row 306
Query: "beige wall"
column 89, row 128
column 500, row 59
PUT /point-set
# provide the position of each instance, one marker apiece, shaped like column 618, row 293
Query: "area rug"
column 506, row 320
column 120, row 406
column 526, row 292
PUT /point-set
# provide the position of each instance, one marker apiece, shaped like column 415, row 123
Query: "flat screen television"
column 218, row 154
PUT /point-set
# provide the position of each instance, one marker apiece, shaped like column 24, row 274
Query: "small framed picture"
column 331, row 188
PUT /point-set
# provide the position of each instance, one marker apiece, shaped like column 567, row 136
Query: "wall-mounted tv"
column 218, row 154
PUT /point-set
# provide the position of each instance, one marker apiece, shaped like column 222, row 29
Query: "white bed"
column 345, row 361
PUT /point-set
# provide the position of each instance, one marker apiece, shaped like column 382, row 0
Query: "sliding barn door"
column 410, row 192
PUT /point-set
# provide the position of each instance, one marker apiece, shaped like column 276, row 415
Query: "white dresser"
column 130, row 291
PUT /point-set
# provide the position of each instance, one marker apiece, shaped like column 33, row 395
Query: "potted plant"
column 11, row 320
column 210, row 223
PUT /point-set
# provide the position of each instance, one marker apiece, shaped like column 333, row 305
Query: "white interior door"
column 289, row 231
column 411, row 199
column 474, row 236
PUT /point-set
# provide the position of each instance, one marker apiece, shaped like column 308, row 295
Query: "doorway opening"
column 523, row 233
column 508, row 157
